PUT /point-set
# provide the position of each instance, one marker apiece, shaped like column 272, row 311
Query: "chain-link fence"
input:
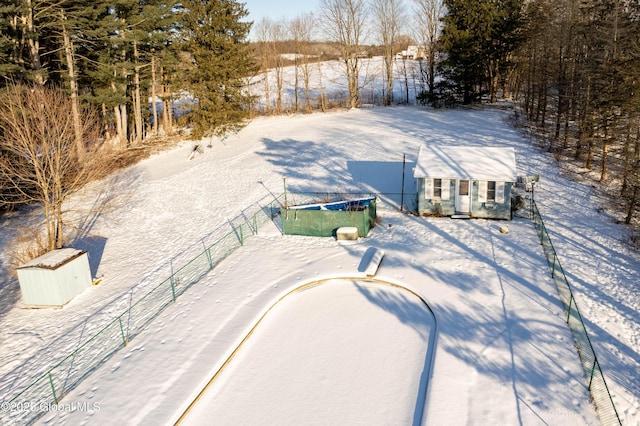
column 44, row 393
column 595, row 379
column 47, row 390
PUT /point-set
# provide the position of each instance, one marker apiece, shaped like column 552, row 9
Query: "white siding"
column 446, row 190
column 482, row 191
column 428, row 189
column 499, row 192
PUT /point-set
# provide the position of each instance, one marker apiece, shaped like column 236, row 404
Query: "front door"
column 463, row 197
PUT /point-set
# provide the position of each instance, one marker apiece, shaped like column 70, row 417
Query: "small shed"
column 466, row 181
column 54, row 278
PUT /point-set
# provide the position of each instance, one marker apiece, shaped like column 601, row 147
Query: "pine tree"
column 124, row 51
column 478, row 37
column 215, row 37
column 9, row 68
column 25, row 32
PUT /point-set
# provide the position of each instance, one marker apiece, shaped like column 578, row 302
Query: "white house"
column 464, row 180
column 412, row 52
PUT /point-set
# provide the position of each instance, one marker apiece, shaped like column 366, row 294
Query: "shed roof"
column 466, row 162
column 54, row 259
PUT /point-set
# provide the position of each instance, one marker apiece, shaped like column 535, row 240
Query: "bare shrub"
column 39, row 161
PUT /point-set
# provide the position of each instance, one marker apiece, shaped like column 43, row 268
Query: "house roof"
column 466, row 162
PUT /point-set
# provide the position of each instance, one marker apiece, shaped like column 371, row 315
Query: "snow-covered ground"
column 503, row 353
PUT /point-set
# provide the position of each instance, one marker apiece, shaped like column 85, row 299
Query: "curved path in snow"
column 334, row 351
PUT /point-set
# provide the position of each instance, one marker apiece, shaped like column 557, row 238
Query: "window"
column 464, row 187
column 490, row 191
column 438, row 189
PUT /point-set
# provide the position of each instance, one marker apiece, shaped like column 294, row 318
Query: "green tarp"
column 324, row 223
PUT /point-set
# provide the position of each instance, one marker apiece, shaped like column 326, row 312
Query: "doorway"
column 463, row 198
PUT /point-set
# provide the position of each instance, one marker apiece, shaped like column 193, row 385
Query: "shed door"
column 463, row 196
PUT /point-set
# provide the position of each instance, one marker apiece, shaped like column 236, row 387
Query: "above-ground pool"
column 339, row 351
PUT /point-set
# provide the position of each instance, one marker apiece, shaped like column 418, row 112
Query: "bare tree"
column 277, row 35
column 38, row 161
column 271, row 35
column 344, row 22
column 390, row 16
column 262, row 32
column 428, row 15
column 323, row 95
column 301, row 33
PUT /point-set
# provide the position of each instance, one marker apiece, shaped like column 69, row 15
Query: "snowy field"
column 503, row 354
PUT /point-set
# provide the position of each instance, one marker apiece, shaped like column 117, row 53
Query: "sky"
column 276, row 9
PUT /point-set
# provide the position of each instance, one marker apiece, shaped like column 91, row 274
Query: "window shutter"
column 482, row 191
column 499, row 192
column 428, row 189
column 446, row 190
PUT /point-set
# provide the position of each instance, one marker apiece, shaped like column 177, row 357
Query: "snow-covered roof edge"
column 54, row 259
column 466, row 162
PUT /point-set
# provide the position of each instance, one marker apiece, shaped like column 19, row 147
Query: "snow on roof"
column 54, row 259
column 470, row 162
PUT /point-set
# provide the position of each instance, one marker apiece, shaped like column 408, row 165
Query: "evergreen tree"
column 126, row 44
column 9, row 68
column 477, row 38
column 580, row 68
column 25, row 31
column 215, row 37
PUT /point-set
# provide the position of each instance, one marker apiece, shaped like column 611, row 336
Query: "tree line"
column 573, row 69
column 570, row 66
column 578, row 75
column 82, row 79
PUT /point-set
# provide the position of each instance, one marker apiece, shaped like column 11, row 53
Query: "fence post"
column 53, row 389
column 208, row 253
column 569, row 310
column 533, row 202
column 593, row 370
column 241, row 236
column 404, row 160
column 255, row 223
column 531, row 210
column 124, row 339
column 173, row 287
column 364, row 222
column 284, row 183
